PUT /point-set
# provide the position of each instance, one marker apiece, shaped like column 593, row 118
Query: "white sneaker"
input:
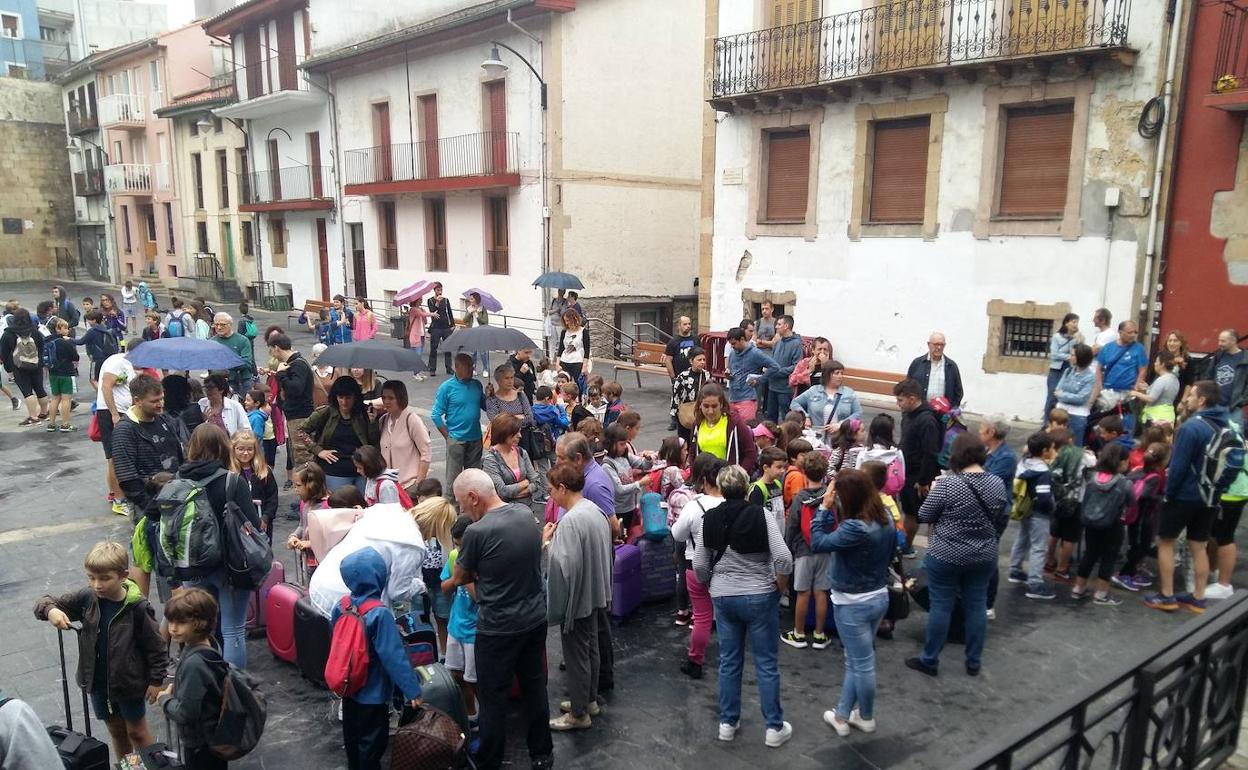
column 777, row 738
column 830, row 717
column 728, row 732
column 420, row 378
column 784, row 600
column 992, row 614
column 856, row 721
column 1219, row 591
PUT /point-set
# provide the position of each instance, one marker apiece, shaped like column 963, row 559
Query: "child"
column 591, row 429
column 672, row 455
column 346, row 496
column 1065, row 530
column 1111, row 430
column 572, row 402
column 547, row 415
column 1147, row 487
column 366, row 714
column 620, row 471
column 1059, row 418
column 1105, row 501
column 130, row 306
column 794, row 478
column 462, row 632
column 127, row 664
column 62, row 366
column 880, row 446
column 435, row 517
column 247, row 460
column 613, row 392
column 596, row 403
column 878, row 473
column 631, row 423
column 197, row 686
column 811, row 571
column 146, row 298
column 99, row 342
column 1152, row 434
column 1033, row 509
column 310, row 486
column 765, row 435
column 428, row 488
column 260, row 415
column 88, row 304
column 381, row 484
column 549, row 374
column 151, row 327
column 846, row 446
column 768, row 490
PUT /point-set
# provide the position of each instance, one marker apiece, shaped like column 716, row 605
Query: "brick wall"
column 602, row 338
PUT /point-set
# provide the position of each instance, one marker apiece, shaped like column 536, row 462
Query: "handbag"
column 429, row 739
column 687, row 414
column 898, row 596
column 93, row 428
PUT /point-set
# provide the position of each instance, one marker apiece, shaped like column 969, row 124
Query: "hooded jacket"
column 197, row 691
column 1039, row 479
column 215, row 490
column 793, row 537
column 1187, row 457
column 365, row 574
column 741, row 449
column 552, row 416
column 383, row 489
column 921, row 438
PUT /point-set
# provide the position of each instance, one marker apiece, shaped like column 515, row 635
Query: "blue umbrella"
column 487, row 300
column 183, row 354
column 557, row 280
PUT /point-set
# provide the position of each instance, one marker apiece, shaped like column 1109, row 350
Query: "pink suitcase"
column 279, row 612
column 257, row 607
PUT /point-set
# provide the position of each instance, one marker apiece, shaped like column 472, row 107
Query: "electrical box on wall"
column 1112, row 196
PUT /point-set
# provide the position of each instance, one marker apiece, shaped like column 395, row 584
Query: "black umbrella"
column 481, row 339
column 372, row 354
column 558, row 280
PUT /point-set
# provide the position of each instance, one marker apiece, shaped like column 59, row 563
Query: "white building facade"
column 93, row 226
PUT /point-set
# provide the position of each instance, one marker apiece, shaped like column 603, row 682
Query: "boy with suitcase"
column 121, row 654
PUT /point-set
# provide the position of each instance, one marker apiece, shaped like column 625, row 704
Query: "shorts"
column 1069, row 529
column 439, row 602
column 30, row 382
column 462, row 657
column 812, row 571
column 1227, row 521
column 104, row 419
column 129, row 709
column 61, row 384
column 1194, row 516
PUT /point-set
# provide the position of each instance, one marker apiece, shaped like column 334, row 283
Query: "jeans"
column 500, row 657
column 856, row 625
column 436, row 335
column 778, row 404
column 1050, row 400
column 334, row 482
column 232, row 616
column 946, row 583
column 703, row 616
column 580, row 653
column 460, row 455
column 365, row 733
column 1031, row 544
column 758, row 617
column 1079, row 427
column 484, row 358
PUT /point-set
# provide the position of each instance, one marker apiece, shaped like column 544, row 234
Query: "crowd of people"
column 778, row 496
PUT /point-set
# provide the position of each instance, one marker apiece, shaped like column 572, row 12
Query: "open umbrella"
column 385, row 355
column 557, row 280
column 481, row 339
column 413, row 292
column 183, row 354
column 487, row 300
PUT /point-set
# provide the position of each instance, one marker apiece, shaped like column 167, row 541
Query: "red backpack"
column 346, row 670
column 808, row 513
column 405, row 499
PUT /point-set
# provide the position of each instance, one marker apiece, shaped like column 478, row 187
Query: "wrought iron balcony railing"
column 1230, row 67
column 79, row 121
column 90, row 182
column 912, row 34
column 286, row 184
column 483, row 154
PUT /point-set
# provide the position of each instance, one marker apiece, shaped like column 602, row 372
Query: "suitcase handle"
column 86, row 712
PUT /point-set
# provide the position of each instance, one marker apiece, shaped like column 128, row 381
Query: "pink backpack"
column 676, row 501
column 895, row 480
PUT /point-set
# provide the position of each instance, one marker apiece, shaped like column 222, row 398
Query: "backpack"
column 248, row 328
column 1223, row 462
column 107, row 345
column 1068, row 481
column 247, row 554
column 190, row 532
column 654, row 521
column 1024, row 499
column 26, row 354
column 1098, row 512
column 807, row 516
column 346, row 669
column 676, row 501
column 1137, row 492
column 176, row 326
column 241, row 718
column 434, row 556
column 405, row 499
column 49, row 354
column 894, row 476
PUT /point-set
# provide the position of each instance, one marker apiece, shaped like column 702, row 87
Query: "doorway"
column 227, row 248
column 149, row 237
column 358, row 266
column 322, row 248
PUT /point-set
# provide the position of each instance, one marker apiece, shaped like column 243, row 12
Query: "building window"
column 223, row 178
column 194, row 128
column 170, row 247
column 1035, row 161
column 217, row 124
column 244, row 178
column 197, row 179
column 387, row 230
column 277, row 241
column 496, row 237
column 1018, row 336
column 788, row 176
column 10, row 25
column 898, row 187
column 435, row 234
column 201, row 237
column 47, row 33
column 16, row 71
column 173, row 271
column 125, row 229
column 1025, row 337
column 245, row 236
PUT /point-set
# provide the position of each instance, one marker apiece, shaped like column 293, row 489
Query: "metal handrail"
column 618, row 352
column 1230, row 65
column 659, row 332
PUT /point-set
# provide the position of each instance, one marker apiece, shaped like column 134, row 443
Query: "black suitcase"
column 312, row 639
column 78, row 751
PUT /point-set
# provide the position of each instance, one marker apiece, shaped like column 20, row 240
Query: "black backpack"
column 246, row 551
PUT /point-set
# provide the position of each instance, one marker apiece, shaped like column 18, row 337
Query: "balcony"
column 1229, row 90
column 467, row 162
column 298, row 188
column 904, row 39
column 122, row 110
column 80, row 121
column 270, row 87
column 128, row 179
column 89, row 182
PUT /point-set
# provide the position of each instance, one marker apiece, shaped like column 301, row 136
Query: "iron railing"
column 1230, row 65
column 1178, row 707
column 286, row 184
column 90, row 182
column 207, row 266
column 481, row 154
column 221, row 80
column 128, row 178
column 270, row 76
column 78, row 121
column 912, row 34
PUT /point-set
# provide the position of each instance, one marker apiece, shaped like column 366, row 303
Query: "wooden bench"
column 647, row 358
column 312, row 309
column 868, row 381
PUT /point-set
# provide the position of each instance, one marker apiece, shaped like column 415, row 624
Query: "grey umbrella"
column 372, row 354
column 481, row 339
column 558, row 280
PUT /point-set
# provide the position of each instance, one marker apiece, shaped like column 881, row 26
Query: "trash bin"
column 398, row 327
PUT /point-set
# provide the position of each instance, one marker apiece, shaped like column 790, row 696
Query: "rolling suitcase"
column 257, row 606
column 77, row 751
column 626, row 581
column 279, row 616
column 438, row 689
column 658, row 569
column 419, row 639
column 312, row 640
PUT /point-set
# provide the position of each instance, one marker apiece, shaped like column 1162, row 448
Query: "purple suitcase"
column 257, row 607
column 658, row 569
column 626, row 581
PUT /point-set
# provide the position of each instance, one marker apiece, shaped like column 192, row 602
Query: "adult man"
column 240, row 376
column 457, row 415
column 747, row 326
column 936, row 373
column 1121, row 366
column 1229, row 368
column 526, row 371
column 920, row 444
column 145, row 441
column 746, row 364
column 440, row 328
column 786, row 350
column 294, row 378
column 676, row 354
column 1183, row 507
column 765, row 329
column 1104, row 332
column 1002, row 463
column 502, row 555
column 24, row 741
column 111, row 401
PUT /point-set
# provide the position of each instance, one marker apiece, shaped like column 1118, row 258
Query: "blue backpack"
column 49, row 353
column 176, row 326
column 653, row 517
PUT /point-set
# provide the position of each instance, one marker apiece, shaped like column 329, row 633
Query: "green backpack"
column 1023, row 500
column 190, row 530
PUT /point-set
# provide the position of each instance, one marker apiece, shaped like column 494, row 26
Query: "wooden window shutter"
column 899, row 171
column 1035, row 162
column 788, row 175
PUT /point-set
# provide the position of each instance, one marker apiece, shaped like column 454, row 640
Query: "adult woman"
column 1074, row 390
column 1176, row 346
column 685, row 388
column 220, row 410
column 365, row 320
column 741, row 554
column 865, row 541
column 476, row 315
column 507, row 464
column 962, row 550
column 687, row 531
column 339, row 321
column 416, row 318
column 578, row 591
column 573, row 345
column 721, row 434
column 828, row 406
column 21, row 360
column 505, row 398
column 403, row 437
column 207, row 463
column 370, row 388
column 337, row 430
column 1061, row 344
column 1159, row 399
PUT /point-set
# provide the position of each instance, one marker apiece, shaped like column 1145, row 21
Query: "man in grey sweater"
column 24, row 741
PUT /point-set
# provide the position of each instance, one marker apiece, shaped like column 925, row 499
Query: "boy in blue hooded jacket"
column 366, row 715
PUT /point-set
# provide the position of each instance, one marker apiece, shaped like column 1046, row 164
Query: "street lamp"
column 494, row 66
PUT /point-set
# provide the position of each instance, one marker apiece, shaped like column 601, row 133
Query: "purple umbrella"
column 487, row 300
column 413, row 292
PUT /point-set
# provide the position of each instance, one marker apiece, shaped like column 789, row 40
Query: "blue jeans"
column 946, row 583
column 1079, row 427
column 484, row 358
column 232, row 616
column 756, row 616
column 334, row 482
column 1050, row 400
column 778, row 404
column 856, row 625
column 1031, row 544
